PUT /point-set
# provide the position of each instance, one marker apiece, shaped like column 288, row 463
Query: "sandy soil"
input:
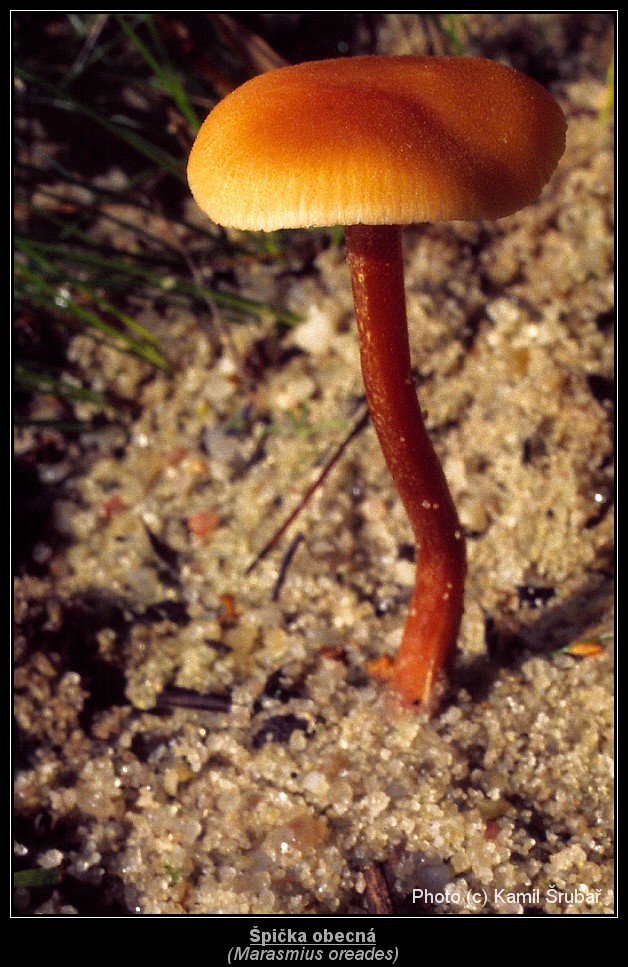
column 299, row 783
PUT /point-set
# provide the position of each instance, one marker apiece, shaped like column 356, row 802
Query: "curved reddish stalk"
column 375, row 261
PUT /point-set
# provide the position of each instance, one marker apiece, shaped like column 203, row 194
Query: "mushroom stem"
column 374, row 254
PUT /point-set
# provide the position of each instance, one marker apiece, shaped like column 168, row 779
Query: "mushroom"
column 373, row 143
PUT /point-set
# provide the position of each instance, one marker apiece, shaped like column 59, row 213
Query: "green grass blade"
column 121, row 130
column 46, row 384
column 453, row 23
column 59, row 299
column 165, row 76
column 161, row 282
column 37, row 878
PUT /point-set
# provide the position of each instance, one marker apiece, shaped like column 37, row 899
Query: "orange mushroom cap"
column 376, row 141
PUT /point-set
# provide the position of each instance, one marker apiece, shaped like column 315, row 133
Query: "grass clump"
column 106, row 107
